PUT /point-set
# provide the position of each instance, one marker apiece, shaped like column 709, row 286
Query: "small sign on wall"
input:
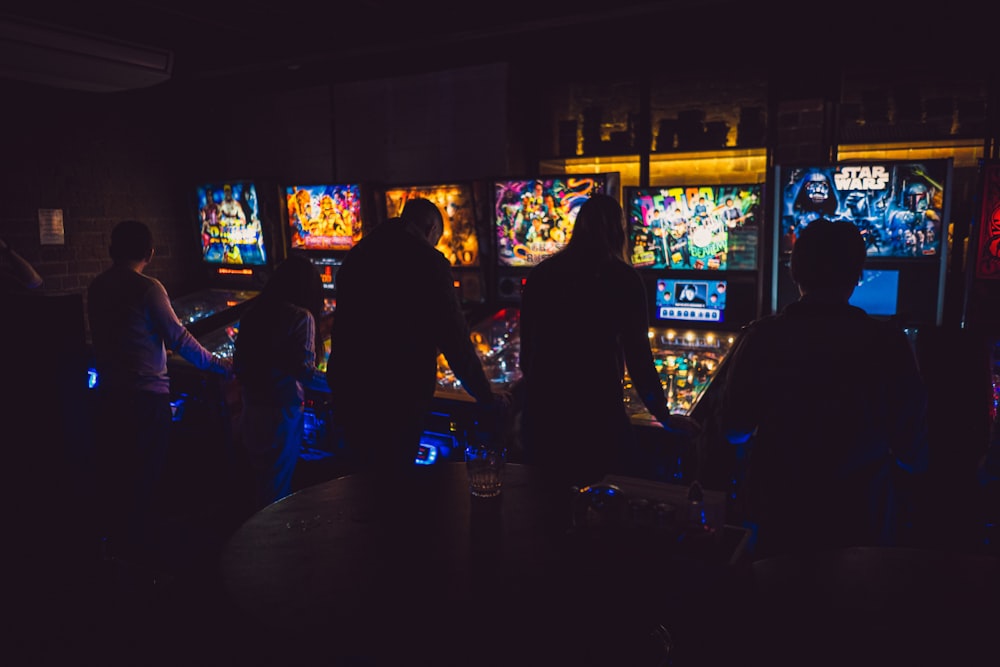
column 50, row 226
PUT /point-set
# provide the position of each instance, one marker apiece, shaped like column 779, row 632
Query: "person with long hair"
column 275, row 352
column 584, row 318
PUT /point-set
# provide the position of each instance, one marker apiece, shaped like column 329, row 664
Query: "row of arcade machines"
column 707, row 253
column 240, row 245
column 697, row 249
column 713, row 262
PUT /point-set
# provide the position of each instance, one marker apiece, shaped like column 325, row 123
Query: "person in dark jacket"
column 831, row 405
column 396, row 310
column 584, row 319
column 275, row 352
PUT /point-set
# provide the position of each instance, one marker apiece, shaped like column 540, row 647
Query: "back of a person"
column 383, row 333
column 574, row 422
column 128, row 354
column 822, row 460
column 576, row 361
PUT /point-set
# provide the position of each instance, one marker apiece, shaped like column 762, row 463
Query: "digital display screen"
column 708, row 227
column 533, row 219
column 459, row 242
column 229, row 220
column 327, row 267
column 324, row 217
column 691, row 300
column 898, row 206
column 877, row 292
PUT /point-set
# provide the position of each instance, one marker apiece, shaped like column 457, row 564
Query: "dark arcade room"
column 645, row 334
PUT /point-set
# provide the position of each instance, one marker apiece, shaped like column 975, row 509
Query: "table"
column 383, row 571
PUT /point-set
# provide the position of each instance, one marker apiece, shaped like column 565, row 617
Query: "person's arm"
column 453, row 336
column 22, row 270
column 909, row 398
column 177, row 338
column 302, row 365
column 737, row 407
column 526, row 327
column 639, row 359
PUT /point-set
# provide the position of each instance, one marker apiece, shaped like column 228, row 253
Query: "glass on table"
column 485, row 465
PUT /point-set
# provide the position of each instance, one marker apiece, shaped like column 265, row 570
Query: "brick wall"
column 100, row 158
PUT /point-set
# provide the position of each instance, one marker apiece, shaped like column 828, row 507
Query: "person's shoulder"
column 552, row 264
column 763, row 325
column 625, row 270
column 298, row 312
column 153, row 284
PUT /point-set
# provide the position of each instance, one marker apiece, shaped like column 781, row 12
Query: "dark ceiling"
column 205, row 40
column 213, row 38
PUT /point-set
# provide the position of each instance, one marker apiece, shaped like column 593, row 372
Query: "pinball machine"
column 236, row 255
column 235, row 232
column 698, row 250
column 322, row 222
column 901, row 209
column 529, row 219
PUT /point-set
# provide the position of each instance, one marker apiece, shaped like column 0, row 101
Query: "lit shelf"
column 722, row 166
column 967, row 152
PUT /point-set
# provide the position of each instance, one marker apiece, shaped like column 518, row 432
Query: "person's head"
column 423, row 217
column 297, row 281
column 828, row 256
column 600, row 228
column 227, row 192
column 131, row 241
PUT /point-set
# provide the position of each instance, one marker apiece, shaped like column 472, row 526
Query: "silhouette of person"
column 132, row 326
column 827, row 450
column 574, row 423
column 16, row 273
column 275, row 352
column 396, row 309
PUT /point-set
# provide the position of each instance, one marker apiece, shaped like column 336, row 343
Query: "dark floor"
column 76, row 602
